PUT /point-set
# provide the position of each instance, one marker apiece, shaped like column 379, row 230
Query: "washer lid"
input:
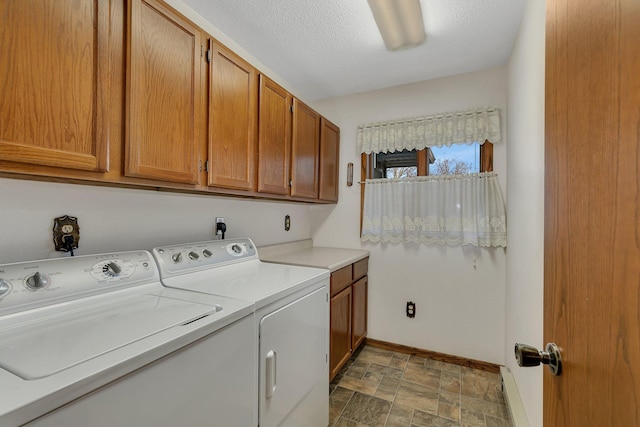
column 40, row 348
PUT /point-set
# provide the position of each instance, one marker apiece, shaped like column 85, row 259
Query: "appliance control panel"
column 37, row 283
column 180, row 259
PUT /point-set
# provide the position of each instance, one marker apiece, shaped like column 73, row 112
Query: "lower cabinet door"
column 340, row 334
column 359, row 326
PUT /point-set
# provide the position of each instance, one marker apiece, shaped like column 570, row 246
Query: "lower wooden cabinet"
column 348, row 328
column 359, row 312
column 340, row 338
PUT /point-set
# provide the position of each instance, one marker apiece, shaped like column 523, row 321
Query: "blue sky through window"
column 466, row 153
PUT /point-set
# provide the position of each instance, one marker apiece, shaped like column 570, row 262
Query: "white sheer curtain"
column 457, row 127
column 445, row 210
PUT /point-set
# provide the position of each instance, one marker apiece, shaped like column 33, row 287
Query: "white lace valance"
column 443, row 210
column 458, row 127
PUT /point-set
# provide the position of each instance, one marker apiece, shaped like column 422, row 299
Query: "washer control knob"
column 177, row 257
column 207, row 253
column 112, row 269
column 5, row 287
column 194, row 256
column 237, row 249
column 37, row 281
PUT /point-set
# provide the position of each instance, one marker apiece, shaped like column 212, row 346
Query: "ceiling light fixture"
column 399, row 21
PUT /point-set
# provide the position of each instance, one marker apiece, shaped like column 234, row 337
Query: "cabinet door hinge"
column 199, row 165
column 209, row 55
column 291, row 108
column 290, row 183
column 206, row 166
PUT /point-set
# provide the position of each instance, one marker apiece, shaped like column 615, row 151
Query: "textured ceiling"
column 327, row 48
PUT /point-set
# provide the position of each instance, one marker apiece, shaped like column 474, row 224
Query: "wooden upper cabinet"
column 163, row 108
column 304, row 151
column 233, row 120
column 54, row 83
column 329, row 157
column 274, row 138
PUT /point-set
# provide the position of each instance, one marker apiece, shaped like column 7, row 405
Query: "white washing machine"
column 291, row 322
column 97, row 340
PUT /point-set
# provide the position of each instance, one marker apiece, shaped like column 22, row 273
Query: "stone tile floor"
column 382, row 388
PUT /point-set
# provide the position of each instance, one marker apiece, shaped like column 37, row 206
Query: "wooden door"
column 592, row 212
column 359, row 315
column 164, row 111
column 339, row 331
column 233, row 120
column 54, row 83
column 329, row 159
column 304, row 151
column 274, row 138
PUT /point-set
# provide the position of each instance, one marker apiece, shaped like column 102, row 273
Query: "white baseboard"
column 512, row 397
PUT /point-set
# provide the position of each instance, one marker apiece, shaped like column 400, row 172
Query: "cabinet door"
column 304, row 151
column 233, row 109
column 274, row 138
column 54, row 83
column 359, row 290
column 329, row 156
column 340, row 331
column 164, row 112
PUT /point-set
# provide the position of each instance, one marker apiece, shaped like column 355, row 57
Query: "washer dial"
column 5, row 287
column 113, row 270
column 37, row 281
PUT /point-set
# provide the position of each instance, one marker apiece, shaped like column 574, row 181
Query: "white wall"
column 459, row 291
column 525, row 203
column 116, row 219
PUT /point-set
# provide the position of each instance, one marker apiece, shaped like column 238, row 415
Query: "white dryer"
column 97, row 341
column 291, row 322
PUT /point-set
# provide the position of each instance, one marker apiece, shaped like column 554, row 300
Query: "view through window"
column 456, row 159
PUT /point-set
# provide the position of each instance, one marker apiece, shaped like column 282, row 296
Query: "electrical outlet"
column 411, row 309
column 221, row 227
column 66, row 233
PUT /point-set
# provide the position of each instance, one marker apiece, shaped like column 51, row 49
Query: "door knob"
column 527, row 355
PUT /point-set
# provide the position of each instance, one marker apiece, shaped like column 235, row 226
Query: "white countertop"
column 312, row 256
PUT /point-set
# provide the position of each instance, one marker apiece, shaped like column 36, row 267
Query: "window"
column 456, row 159
column 434, row 215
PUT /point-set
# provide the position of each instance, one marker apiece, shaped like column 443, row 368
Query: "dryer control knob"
column 194, row 256
column 177, row 257
column 37, row 281
column 207, row 253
